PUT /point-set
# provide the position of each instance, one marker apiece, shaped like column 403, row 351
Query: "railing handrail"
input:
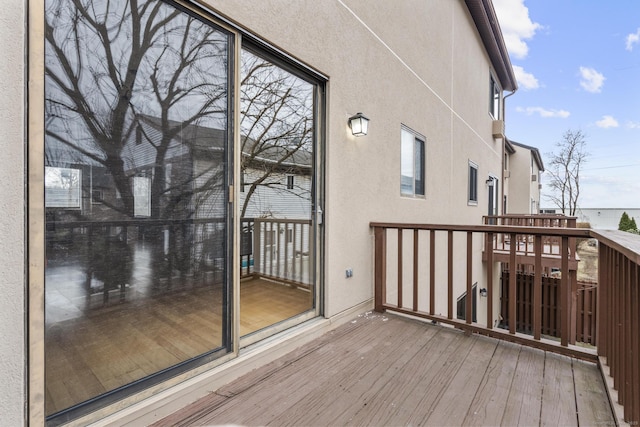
column 504, row 229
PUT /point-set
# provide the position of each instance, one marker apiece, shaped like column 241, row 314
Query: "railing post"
column 488, row 249
column 432, row 272
column 565, row 292
column 380, row 259
column 537, row 288
column 450, row 275
column 469, row 301
column 512, row 283
column 415, row 269
column 400, row 267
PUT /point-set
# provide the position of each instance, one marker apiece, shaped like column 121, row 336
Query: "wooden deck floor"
column 388, row 370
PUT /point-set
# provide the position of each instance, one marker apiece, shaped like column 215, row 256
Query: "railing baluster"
column 450, row 275
column 537, row 288
column 565, row 292
column 380, row 234
column 512, row 283
column 469, row 300
column 400, row 267
column 488, row 248
column 415, row 269
column 432, row 271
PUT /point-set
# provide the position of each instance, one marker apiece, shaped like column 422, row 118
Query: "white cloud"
column 633, row 125
column 632, row 39
column 607, row 122
column 543, row 112
column 516, row 25
column 526, row 80
column 591, row 80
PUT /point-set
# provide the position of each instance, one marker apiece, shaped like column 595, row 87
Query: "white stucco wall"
column 414, row 63
column 12, row 277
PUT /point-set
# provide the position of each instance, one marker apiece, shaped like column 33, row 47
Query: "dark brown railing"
column 619, row 316
column 405, row 281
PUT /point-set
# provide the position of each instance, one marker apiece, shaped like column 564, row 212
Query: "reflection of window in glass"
column 473, row 183
column 278, row 148
column 142, row 196
column 62, row 187
column 412, row 176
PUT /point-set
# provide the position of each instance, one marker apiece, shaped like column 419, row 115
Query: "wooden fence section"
column 585, row 310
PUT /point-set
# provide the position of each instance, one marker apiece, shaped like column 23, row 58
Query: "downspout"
column 504, row 141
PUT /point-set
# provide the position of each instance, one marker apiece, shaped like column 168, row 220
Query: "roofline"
column 534, row 151
column 484, row 16
column 508, row 146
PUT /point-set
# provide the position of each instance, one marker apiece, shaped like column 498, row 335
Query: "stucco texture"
column 12, row 278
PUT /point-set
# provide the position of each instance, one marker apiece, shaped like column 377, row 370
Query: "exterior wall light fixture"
column 483, row 292
column 359, row 124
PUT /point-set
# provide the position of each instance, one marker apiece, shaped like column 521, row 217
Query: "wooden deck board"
column 524, row 400
column 388, row 370
column 461, row 391
column 490, row 401
column 591, row 397
column 558, row 395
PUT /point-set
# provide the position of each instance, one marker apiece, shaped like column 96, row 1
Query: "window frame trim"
column 417, row 136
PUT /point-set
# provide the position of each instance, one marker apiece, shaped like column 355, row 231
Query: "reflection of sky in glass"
column 406, row 164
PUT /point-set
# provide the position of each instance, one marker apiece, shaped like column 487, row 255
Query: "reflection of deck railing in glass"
column 280, row 249
column 114, row 254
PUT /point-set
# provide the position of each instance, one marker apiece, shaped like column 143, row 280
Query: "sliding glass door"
column 136, row 167
column 147, row 132
column 277, row 192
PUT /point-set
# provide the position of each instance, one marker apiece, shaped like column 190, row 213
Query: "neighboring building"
column 166, row 125
column 600, row 218
column 522, row 168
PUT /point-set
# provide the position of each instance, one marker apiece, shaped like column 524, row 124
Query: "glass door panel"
column 137, row 131
column 276, row 194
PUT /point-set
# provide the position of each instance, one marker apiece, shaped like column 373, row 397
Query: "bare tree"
column 564, row 170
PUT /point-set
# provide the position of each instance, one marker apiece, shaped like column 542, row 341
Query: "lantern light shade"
column 359, row 124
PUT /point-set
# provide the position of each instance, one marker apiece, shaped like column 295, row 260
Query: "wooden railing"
column 421, row 268
column 524, row 243
column 619, row 316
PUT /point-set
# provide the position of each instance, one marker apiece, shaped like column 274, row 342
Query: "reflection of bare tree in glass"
column 112, row 63
column 277, row 126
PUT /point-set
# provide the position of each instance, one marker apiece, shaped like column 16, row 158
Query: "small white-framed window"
column 290, row 182
column 412, row 160
column 494, row 100
column 62, row 187
column 473, row 184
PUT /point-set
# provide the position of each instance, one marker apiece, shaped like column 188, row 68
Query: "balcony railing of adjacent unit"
column 419, row 268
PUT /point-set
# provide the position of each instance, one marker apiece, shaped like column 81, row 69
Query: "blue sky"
column 578, row 66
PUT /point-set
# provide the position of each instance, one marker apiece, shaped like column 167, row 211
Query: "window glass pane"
column 277, row 132
column 473, row 183
column 136, row 132
column 419, row 167
column 407, row 162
